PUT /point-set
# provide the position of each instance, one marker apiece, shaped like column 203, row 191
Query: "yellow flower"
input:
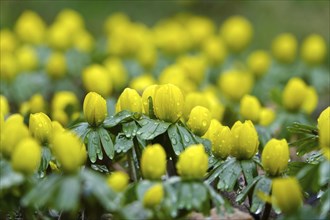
column 61, row 102
column 150, row 91
column 284, row 47
column 8, row 42
column 118, row 181
column 215, row 50
column 4, row 105
column 141, row 82
column 68, row 150
column 130, row 100
column 153, row 162
column 12, row 133
column 216, row 108
column 153, row 196
column 199, row 120
column 235, row 84
column 245, row 140
column 30, row 28
column 275, row 156
column 193, row 162
column 237, row 32
column 267, row 116
column 259, row 62
column 192, row 100
column 250, row 108
column 95, row 109
column 27, row 58
column 57, row 127
column 286, row 194
column 37, row 104
column 324, row 131
column 40, row 127
column 59, row 36
column 71, row 19
column 96, row 78
column 8, row 67
column 294, row 94
column 194, row 66
column 56, row 66
column 311, row 100
column 168, row 103
column 220, row 137
column 26, row 156
column 83, row 41
column 147, row 56
column 313, row 49
column 117, row 72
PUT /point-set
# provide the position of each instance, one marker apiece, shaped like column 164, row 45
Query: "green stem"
column 131, row 164
column 268, row 208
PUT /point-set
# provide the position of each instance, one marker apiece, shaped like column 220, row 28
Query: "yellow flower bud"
column 63, row 99
column 83, row 41
column 237, row 32
column 215, row 50
column 95, row 109
column 199, row 120
column 250, row 108
column 96, row 78
column 130, row 100
column 193, row 162
column 8, row 42
column 216, row 108
column 8, row 67
column 153, row 196
column 286, row 194
column 12, row 133
column 40, row 127
column 194, row 66
column 313, row 49
column 147, row 56
column 259, row 62
column 15, row 118
column 284, row 47
column 26, row 156
column 275, row 156
column 37, row 104
column 56, row 66
column 267, row 116
column 68, row 150
column 294, row 94
column 245, row 140
column 57, row 127
column 141, row 82
column 150, row 91
column 117, row 72
column 220, row 137
column 168, row 103
column 311, row 100
column 30, row 28
column 71, row 19
column 118, row 181
column 153, row 162
column 235, row 84
column 27, row 58
column 324, row 131
column 59, row 36
column 4, row 106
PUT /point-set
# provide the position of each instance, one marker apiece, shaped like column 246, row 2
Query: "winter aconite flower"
column 286, row 194
column 284, row 47
column 96, row 78
column 153, row 162
column 153, row 196
column 267, row 116
column 275, row 156
column 215, row 50
column 168, row 103
column 26, row 156
column 259, row 62
column 199, row 120
column 95, row 108
column 130, row 100
column 193, row 162
column 245, row 140
column 313, row 49
column 324, row 132
column 4, row 105
column 237, row 32
column 220, row 137
column 40, row 126
column 311, row 100
column 56, row 66
column 250, row 108
column 117, row 71
column 150, row 91
column 69, row 151
column 118, row 181
column 294, row 94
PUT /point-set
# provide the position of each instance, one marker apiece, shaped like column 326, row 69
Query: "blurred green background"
column 269, row 18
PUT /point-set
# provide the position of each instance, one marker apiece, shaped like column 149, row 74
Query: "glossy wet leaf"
column 264, row 185
column 106, row 141
column 129, row 129
column 249, row 170
column 123, row 143
column 94, row 146
column 46, row 156
column 122, row 116
column 242, row 195
column 68, row 194
column 151, row 128
column 175, row 139
column 229, row 175
column 81, row 129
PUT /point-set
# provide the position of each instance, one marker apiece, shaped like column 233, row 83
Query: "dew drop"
column 186, row 138
column 173, row 140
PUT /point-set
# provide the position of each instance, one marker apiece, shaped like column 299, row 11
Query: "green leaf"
column 186, row 137
column 151, row 128
column 122, row 116
column 325, row 203
column 175, row 139
column 242, row 196
column 264, row 136
column 67, row 197
column 81, row 129
column 151, row 108
column 106, row 142
column 324, row 173
column 142, row 187
column 218, row 201
column 129, row 129
column 122, row 143
column 200, row 195
column 185, row 196
column 229, row 175
column 135, row 210
column 8, row 178
column 46, row 156
column 249, row 170
column 263, row 185
column 93, row 146
column 294, row 167
column 206, row 143
column 308, row 177
column 214, row 173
